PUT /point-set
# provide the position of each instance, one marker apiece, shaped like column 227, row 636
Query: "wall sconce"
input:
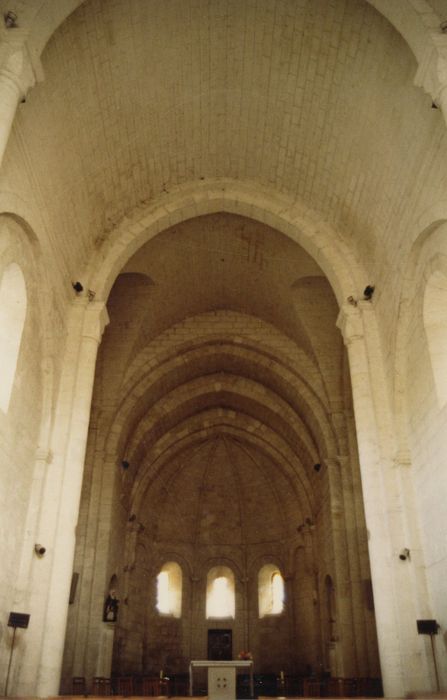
column 368, row 292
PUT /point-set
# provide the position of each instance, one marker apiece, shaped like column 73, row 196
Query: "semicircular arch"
column 221, row 389
column 279, row 211
column 413, row 21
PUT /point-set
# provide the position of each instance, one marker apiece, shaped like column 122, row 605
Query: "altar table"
column 221, row 677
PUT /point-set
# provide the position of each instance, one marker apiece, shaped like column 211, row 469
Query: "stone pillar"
column 401, row 665
column 307, row 619
column 50, row 578
column 345, row 649
column 95, row 318
column 289, row 587
column 17, row 76
column 106, row 639
column 353, row 526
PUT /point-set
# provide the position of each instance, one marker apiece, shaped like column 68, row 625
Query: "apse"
column 221, row 382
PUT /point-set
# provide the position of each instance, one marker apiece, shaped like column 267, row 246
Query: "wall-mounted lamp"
column 39, row 549
column 368, row 292
column 404, row 554
column 77, row 286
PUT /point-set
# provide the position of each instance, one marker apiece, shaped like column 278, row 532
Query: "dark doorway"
column 220, row 645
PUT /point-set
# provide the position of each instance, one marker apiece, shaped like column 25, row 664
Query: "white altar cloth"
column 220, row 677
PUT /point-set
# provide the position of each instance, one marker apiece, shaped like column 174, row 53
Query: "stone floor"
column 413, row 696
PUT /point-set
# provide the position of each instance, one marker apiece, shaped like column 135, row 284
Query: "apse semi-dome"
column 221, row 491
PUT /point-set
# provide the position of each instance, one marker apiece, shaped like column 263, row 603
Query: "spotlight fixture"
column 125, row 464
column 77, row 286
column 39, row 549
column 10, row 19
column 404, row 554
column 368, row 292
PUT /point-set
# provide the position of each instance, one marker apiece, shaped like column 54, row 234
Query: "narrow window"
column 270, row 591
column 220, row 596
column 169, row 590
column 12, row 320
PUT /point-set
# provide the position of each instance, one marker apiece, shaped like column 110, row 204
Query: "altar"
column 221, row 677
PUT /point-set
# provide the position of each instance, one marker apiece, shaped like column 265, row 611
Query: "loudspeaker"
column 18, row 620
column 427, row 626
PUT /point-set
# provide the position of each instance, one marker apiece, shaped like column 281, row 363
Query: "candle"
column 161, row 674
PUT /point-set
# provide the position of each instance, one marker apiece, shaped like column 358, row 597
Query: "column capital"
column 331, row 461
column 402, row 458
column 431, row 74
column 350, row 323
column 96, row 319
column 335, row 463
column 17, row 66
column 44, row 454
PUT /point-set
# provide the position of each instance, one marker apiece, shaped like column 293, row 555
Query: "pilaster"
column 403, row 669
column 18, row 74
column 50, row 577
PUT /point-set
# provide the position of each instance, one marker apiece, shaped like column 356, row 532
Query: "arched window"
column 169, row 590
column 270, row 591
column 12, row 320
column 435, row 322
column 220, row 595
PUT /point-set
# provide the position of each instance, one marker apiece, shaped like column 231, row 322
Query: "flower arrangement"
column 245, row 656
